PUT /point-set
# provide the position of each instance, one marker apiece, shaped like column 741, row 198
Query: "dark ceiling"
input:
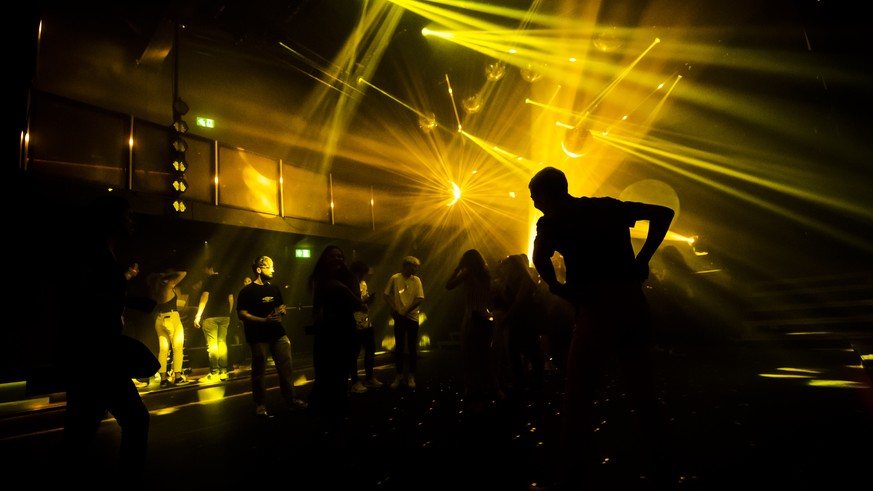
column 770, row 124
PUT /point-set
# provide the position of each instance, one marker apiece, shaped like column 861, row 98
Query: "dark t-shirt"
column 219, row 289
column 260, row 300
column 593, row 235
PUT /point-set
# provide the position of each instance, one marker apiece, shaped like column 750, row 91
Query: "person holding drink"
column 261, row 309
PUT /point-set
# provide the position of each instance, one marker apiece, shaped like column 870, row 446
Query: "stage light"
column 456, row 194
column 180, row 127
column 179, row 165
column 495, row 71
column 178, row 183
column 530, row 74
column 427, row 122
column 473, row 104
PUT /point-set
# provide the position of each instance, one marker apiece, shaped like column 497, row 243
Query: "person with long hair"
column 477, row 330
column 404, row 295
column 336, row 296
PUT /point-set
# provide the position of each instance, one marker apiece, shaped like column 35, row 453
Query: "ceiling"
column 762, row 139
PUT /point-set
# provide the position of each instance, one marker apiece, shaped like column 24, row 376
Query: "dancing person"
column 404, row 295
column 213, row 318
column 477, row 331
column 336, row 296
column 99, row 285
column 604, row 282
column 168, row 323
column 261, row 308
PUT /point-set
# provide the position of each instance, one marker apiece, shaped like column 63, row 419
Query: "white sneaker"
column 411, row 381
column 396, row 382
column 261, row 411
column 359, row 388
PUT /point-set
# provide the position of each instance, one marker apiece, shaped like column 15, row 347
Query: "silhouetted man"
column 99, row 381
column 604, row 283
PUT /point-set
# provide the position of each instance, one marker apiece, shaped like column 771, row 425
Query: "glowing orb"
column 607, row 40
column 577, row 142
column 456, row 194
column 652, row 191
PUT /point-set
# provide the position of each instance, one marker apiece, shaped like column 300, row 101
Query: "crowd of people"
column 519, row 319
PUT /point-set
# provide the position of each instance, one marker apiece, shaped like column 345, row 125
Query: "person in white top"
column 404, row 295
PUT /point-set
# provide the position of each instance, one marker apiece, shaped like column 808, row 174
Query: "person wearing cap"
column 404, row 295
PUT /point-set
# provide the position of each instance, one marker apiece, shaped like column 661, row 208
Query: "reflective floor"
column 775, row 414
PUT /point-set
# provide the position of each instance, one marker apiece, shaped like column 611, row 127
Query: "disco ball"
column 577, row 142
column 607, row 40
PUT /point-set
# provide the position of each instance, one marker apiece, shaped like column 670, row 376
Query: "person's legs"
column 280, row 349
column 353, row 361
column 222, row 324
column 210, row 332
column 584, row 365
column 85, row 409
column 132, row 416
column 178, row 337
column 163, row 345
column 639, row 373
column 368, row 343
column 412, row 345
column 259, row 367
column 400, row 334
column 534, row 354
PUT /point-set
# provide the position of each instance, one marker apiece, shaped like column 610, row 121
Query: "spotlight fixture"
column 531, row 74
column 473, row 104
column 179, row 165
column 427, row 122
column 495, row 71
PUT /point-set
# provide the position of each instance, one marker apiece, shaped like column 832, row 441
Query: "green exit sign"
column 205, row 122
column 302, row 252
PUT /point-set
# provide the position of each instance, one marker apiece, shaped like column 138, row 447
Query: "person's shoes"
column 396, row 383
column 222, row 376
column 374, row 383
column 180, row 381
column 297, row 404
column 140, row 385
column 210, row 378
column 410, row 381
column 261, row 411
column 165, row 383
column 358, row 388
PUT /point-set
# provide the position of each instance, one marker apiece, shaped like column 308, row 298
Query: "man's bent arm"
column 660, row 218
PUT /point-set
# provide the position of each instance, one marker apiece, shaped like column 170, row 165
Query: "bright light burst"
column 534, row 76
